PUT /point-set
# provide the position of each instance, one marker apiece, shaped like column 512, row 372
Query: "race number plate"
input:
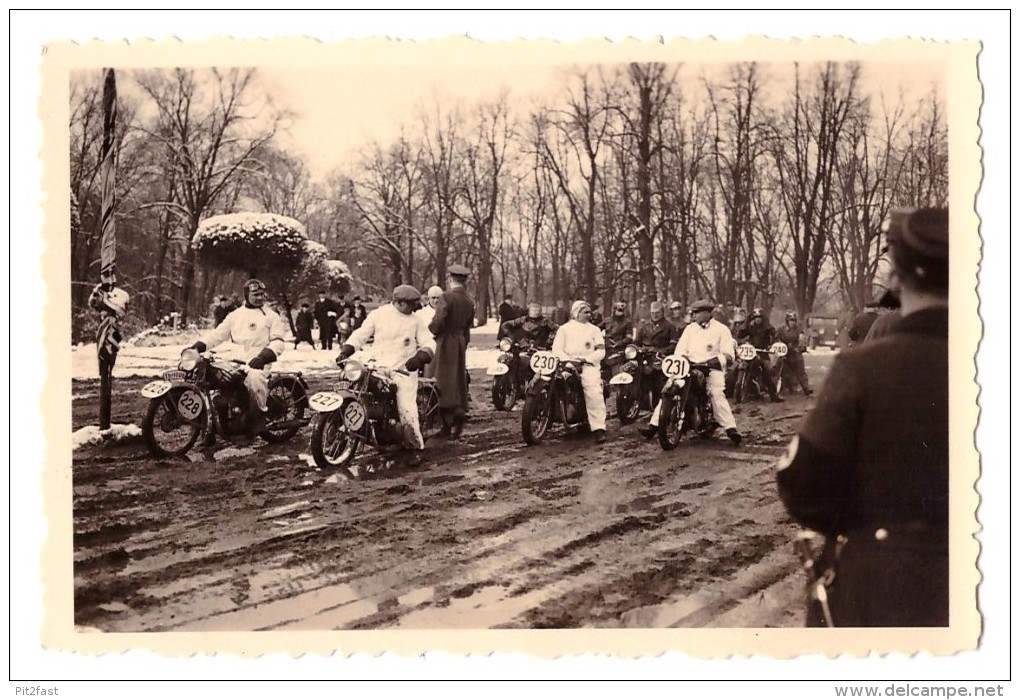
column 155, row 388
column 621, row 378
column 675, row 366
column 544, row 362
column 746, row 352
column 325, row 401
column 497, row 370
column 189, row 404
column 778, row 349
column 354, row 415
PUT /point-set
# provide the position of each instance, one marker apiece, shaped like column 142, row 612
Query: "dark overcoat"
column 871, row 463
column 451, row 326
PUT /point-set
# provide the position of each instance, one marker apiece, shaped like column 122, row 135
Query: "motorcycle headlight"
column 353, row 370
column 505, row 344
column 630, row 352
column 189, row 359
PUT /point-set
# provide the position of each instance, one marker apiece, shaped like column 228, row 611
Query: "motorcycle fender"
column 498, row 370
column 536, row 385
column 158, row 387
column 621, row 378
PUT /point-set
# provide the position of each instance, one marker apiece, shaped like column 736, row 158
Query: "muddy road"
column 487, row 533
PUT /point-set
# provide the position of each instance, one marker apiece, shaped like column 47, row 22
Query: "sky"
column 338, row 111
column 31, row 31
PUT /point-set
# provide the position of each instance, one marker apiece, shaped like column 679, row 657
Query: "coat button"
column 881, row 534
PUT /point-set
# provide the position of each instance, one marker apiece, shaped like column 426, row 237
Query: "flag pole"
column 108, row 337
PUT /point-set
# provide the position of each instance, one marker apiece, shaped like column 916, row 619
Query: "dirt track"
column 487, row 533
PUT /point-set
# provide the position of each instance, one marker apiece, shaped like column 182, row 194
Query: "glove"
column 265, row 357
column 418, row 360
column 714, row 363
column 345, row 352
column 198, row 345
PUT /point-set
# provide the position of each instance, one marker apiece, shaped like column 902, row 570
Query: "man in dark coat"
column 657, row 332
column 618, row 327
column 325, row 312
column 861, row 324
column 303, row 327
column 451, row 326
column 870, row 466
column 796, row 345
column 221, row 310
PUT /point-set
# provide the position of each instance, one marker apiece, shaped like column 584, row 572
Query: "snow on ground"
column 91, row 434
column 150, row 362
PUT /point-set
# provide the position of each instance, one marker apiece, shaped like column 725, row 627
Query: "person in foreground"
column 706, row 341
column 869, row 468
column 577, row 339
column 250, row 328
column 400, row 339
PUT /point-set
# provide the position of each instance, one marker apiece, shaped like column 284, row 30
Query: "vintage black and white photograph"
column 479, row 340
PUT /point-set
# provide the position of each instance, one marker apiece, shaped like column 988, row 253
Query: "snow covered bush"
column 253, row 242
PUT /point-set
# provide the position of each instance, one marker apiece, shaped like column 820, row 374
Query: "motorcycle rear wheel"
column 504, row 396
column 285, row 404
column 671, row 425
column 536, row 418
column 332, row 446
column 428, row 412
column 166, row 433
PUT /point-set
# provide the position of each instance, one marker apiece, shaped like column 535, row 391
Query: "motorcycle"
column 639, row 381
column 686, row 407
column 361, row 408
column 206, row 395
column 748, row 382
column 511, row 373
column 554, row 395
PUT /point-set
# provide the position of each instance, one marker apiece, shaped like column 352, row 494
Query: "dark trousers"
column 766, row 376
column 793, row 371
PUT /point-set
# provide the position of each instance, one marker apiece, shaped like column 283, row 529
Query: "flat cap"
column 925, row 231
column 459, row 271
column 702, row 305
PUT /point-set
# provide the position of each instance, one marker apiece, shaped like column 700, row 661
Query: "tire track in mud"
column 489, row 533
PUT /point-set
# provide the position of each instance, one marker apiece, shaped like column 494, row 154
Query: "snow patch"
column 233, row 452
column 91, row 434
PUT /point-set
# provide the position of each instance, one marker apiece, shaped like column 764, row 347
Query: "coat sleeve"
column 438, row 324
column 559, row 343
column 220, row 334
column 277, row 331
column 726, row 347
column 596, row 356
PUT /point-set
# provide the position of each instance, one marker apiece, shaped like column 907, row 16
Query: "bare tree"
column 805, row 149
column 210, row 124
column 485, row 156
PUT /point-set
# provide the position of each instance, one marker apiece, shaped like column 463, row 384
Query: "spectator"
column 303, row 326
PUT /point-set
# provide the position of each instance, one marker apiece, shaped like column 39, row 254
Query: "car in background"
column 822, row 330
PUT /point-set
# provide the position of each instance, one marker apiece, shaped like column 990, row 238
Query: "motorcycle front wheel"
column 332, row 446
column 627, row 405
column 166, row 433
column 503, row 394
column 286, row 407
column 536, row 418
column 671, row 421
